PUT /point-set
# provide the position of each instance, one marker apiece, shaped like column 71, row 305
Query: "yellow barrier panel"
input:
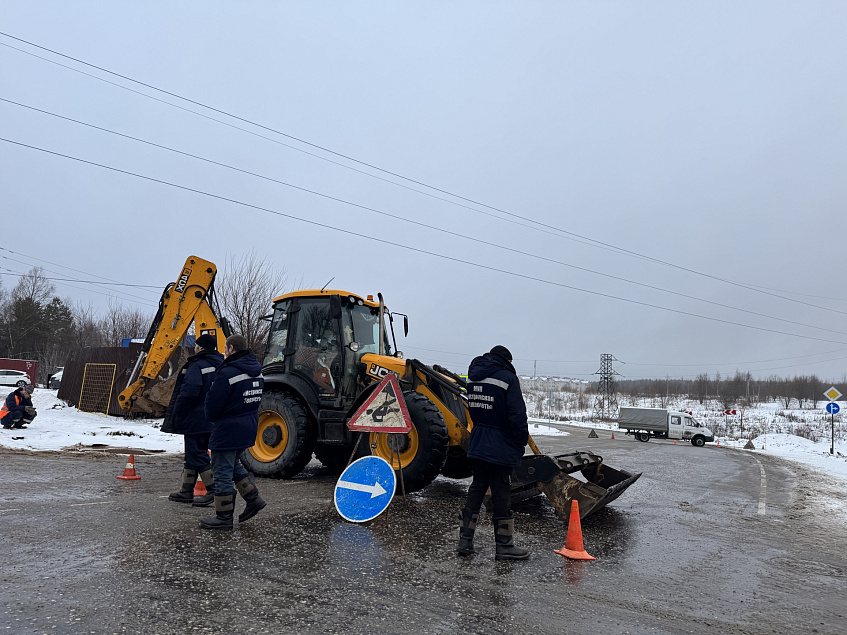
column 97, row 384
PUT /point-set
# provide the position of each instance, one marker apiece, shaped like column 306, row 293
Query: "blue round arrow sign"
column 365, row 489
column 832, row 408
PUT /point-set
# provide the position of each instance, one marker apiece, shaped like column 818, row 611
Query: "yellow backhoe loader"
column 185, row 301
column 327, row 352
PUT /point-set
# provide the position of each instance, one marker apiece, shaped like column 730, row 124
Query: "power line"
column 428, row 226
column 56, row 264
column 114, row 284
column 594, row 242
column 19, row 274
column 123, row 293
column 417, row 249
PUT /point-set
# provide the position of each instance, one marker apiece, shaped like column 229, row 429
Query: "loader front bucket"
column 551, row 475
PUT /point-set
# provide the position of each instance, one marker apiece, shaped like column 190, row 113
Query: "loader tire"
column 422, row 451
column 285, row 440
column 333, row 457
column 457, row 467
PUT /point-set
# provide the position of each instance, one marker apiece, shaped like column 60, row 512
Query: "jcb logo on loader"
column 378, row 371
column 183, row 281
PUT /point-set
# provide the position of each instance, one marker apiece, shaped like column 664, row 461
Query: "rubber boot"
column 504, row 529
column 186, row 493
column 209, row 497
column 224, row 508
column 466, row 532
column 247, row 488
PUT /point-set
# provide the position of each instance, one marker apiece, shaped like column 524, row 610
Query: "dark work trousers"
column 17, row 419
column 498, row 478
column 228, row 470
column 196, row 452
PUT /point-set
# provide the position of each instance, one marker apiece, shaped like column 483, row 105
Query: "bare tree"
column 86, row 331
column 245, row 288
column 34, row 286
column 120, row 322
column 701, row 387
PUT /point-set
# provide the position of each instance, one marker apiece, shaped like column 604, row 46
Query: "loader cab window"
column 364, row 329
column 278, row 334
column 359, row 324
column 317, row 355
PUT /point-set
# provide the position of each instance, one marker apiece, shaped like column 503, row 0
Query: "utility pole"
column 606, row 402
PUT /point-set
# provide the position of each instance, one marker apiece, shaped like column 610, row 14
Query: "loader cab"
column 319, row 338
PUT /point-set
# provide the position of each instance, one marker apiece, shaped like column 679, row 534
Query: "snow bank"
column 794, row 448
column 58, row 427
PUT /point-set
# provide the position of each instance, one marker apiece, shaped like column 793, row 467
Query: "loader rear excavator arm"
column 185, row 301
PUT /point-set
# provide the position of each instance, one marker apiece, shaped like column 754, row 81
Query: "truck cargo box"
column 655, row 419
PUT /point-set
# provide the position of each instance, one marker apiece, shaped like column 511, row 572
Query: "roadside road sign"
column 832, row 408
column 729, row 412
column 384, row 411
column 365, row 489
column 832, row 394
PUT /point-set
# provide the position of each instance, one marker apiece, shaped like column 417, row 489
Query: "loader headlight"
column 399, row 355
column 353, row 346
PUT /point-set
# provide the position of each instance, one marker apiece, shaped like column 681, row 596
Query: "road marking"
column 17, row 509
column 99, row 503
column 763, row 497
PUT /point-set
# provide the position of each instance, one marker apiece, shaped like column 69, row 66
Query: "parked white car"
column 16, row 378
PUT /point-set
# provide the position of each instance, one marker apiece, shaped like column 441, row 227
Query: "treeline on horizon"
column 738, row 390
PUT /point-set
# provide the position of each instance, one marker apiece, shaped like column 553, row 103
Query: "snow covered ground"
column 61, row 428
column 58, row 427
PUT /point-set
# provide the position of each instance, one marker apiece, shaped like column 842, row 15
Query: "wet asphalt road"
column 697, row 545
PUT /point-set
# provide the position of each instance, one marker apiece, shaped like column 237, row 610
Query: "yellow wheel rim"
column 272, row 437
column 406, row 456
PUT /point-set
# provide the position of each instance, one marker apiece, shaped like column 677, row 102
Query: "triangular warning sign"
column 384, row 411
column 592, row 434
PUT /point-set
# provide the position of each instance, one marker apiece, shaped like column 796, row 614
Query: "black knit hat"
column 502, row 351
column 208, row 342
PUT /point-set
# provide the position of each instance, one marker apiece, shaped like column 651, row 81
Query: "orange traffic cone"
column 200, row 488
column 574, row 548
column 675, row 443
column 129, row 471
column 613, row 436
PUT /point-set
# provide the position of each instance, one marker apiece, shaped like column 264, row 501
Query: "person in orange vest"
column 17, row 410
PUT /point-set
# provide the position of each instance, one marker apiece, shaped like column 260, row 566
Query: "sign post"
column 832, row 408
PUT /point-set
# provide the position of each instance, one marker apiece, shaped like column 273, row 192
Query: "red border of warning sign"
column 390, row 378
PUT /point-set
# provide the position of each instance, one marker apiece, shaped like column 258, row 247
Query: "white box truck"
column 663, row 424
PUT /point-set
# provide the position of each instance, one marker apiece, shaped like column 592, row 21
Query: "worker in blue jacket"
column 17, row 410
column 496, row 446
column 232, row 407
column 186, row 415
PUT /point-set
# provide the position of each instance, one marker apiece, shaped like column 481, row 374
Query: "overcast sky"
column 711, row 136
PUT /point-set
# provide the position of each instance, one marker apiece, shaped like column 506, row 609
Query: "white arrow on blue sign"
column 365, row 489
column 832, row 408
